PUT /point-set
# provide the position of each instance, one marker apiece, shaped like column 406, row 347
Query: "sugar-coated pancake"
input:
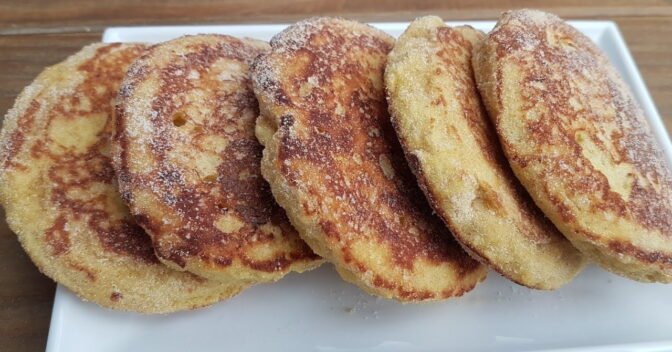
column 334, row 163
column 579, row 143
column 57, row 187
column 454, row 153
column 188, row 163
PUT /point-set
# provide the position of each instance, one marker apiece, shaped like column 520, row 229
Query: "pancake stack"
column 169, row 177
column 194, row 222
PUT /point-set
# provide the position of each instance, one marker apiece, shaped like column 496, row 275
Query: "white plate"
column 318, row 311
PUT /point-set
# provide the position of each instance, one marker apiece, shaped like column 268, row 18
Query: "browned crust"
column 584, row 108
column 81, row 170
column 335, row 164
column 193, row 240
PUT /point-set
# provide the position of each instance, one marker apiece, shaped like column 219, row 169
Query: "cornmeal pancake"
column 335, row 165
column 454, row 153
column 188, row 163
column 577, row 140
column 59, row 194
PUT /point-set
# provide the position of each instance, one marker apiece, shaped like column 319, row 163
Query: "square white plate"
column 318, row 311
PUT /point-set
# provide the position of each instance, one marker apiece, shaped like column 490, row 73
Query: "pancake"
column 335, row 165
column 188, row 163
column 59, row 194
column 577, row 140
column 453, row 151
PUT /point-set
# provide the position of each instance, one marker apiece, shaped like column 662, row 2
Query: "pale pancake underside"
column 455, row 154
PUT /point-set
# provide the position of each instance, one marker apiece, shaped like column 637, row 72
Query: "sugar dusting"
column 599, row 152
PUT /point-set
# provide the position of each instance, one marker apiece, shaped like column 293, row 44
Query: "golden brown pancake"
column 577, row 140
column 188, row 163
column 59, row 194
column 335, row 165
column 454, row 153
